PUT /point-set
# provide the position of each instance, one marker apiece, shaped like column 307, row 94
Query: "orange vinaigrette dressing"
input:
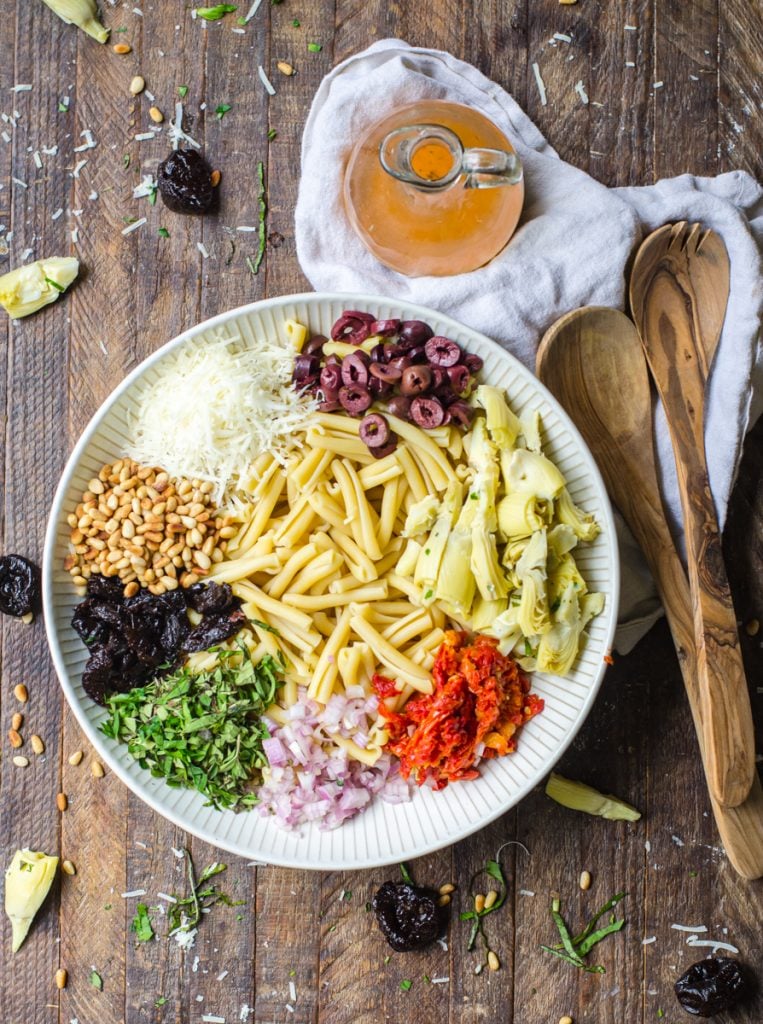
column 441, row 232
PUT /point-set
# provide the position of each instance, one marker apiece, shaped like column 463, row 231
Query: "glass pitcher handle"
column 489, row 168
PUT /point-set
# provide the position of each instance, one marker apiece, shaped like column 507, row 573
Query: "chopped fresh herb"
column 493, row 869
column 202, row 730
column 295, row 23
column 241, row 21
column 120, row 29
column 250, row 263
column 107, row 906
column 239, row 917
column 473, row 497
column 96, row 980
column 369, row 907
column 126, row 161
column 428, row 594
column 427, row 979
column 332, row 927
column 163, row 233
column 182, row 91
column 24, row 865
column 141, row 924
column 152, row 195
column 426, row 551
column 186, row 913
column 693, row 874
column 129, row 220
column 406, row 874
column 387, row 959
column 574, row 950
column 405, row 984
column 160, row 1001
column 221, row 110
column 272, row 134
column 528, row 648
column 314, row 47
column 347, row 896
column 263, row 209
column 63, row 108
column 556, row 604
column 292, row 973
column 660, row 1014
column 215, row 13
column 59, row 288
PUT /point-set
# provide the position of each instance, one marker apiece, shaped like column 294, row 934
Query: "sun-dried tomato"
column 480, row 700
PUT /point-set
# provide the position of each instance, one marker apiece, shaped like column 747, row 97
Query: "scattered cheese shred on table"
column 215, row 406
column 540, row 83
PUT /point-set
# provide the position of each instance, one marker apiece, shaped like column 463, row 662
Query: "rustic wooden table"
column 675, row 86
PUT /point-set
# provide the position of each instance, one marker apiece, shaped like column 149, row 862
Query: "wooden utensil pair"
column 593, row 361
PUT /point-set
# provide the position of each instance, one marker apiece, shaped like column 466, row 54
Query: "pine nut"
column 285, row 68
column 75, row 758
column 214, row 178
column 68, row 868
column 17, row 721
column 444, row 900
column 16, row 739
column 565, row 1020
column 479, row 902
column 20, row 762
column 131, row 589
column 137, row 85
column 444, row 890
column 27, row 618
column 62, row 801
column 752, row 628
column 156, row 115
column 37, row 745
column 97, row 769
column 121, row 48
column 585, row 880
column 490, row 899
column 202, row 560
column 492, row 961
column 61, row 978
column 96, row 486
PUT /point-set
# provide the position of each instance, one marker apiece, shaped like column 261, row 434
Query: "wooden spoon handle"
column 676, row 359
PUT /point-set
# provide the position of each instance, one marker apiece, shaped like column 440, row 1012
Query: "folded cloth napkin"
column 570, row 250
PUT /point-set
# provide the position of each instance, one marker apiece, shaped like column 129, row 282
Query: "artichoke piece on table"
column 27, row 289
column 579, row 797
column 27, row 883
column 82, row 13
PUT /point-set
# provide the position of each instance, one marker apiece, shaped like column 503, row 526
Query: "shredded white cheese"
column 203, row 250
column 580, row 90
column 165, row 896
column 176, row 133
column 658, row 85
column 134, row 226
column 562, row 37
column 292, row 992
column 252, row 10
column 215, row 407
column 630, row 64
column 209, row 1018
column 78, row 168
column 57, row 214
column 266, row 81
column 21, row 88
column 440, row 981
column 222, row 975
column 647, row 942
column 143, row 136
column 133, row 892
column 698, row 943
column 147, row 187
column 689, row 928
column 37, row 159
column 540, row 83
column 526, row 892
column 19, row 182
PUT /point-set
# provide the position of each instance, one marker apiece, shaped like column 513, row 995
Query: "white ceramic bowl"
column 384, row 833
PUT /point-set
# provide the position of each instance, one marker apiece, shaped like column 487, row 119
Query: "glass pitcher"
column 434, row 188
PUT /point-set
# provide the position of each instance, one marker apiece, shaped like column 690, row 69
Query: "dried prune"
column 133, row 639
column 712, row 986
column 408, row 915
column 213, row 630
column 185, row 182
column 19, row 585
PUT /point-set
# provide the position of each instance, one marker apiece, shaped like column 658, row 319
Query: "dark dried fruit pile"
column 185, row 182
column 408, row 915
column 134, row 639
column 420, row 376
column 19, row 585
column 712, row 986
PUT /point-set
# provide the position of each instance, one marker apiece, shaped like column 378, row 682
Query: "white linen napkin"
column 569, row 250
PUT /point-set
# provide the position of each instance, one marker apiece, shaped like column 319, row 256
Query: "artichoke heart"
column 27, row 883
column 29, row 288
column 83, row 14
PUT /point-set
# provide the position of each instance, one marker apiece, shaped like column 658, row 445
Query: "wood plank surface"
column 304, row 938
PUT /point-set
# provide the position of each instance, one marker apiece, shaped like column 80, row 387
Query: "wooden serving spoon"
column 589, row 360
column 679, row 290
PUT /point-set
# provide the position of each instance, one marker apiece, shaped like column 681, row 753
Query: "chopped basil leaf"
column 141, row 924
column 272, row 134
column 222, row 110
column 164, row 233
column 182, row 91
column 405, row 984
column 96, row 980
column 314, row 47
column 215, row 13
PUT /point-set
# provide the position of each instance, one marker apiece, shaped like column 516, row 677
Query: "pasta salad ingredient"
column 311, row 776
column 83, row 14
column 712, row 986
column 214, row 407
column 408, row 915
column 579, row 797
column 27, row 289
column 136, row 524
column 480, row 699
column 19, row 586
column 574, row 949
column 184, row 181
column 131, row 639
column 422, row 377
column 27, row 882
column 203, row 730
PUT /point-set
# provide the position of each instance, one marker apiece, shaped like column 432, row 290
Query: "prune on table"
column 19, row 585
column 132, row 639
column 712, row 986
column 185, row 182
column 408, row 915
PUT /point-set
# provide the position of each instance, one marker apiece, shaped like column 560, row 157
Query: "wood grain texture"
column 678, row 292
column 139, row 290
